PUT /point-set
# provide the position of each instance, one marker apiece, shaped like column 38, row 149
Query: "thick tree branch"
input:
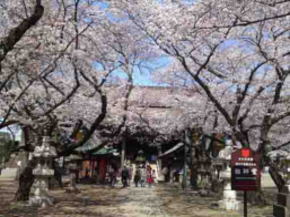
column 241, row 96
column 92, row 128
column 15, row 34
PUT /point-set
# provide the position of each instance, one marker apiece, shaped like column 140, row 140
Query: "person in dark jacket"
column 125, row 176
column 137, row 177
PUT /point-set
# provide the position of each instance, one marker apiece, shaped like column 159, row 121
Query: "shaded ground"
column 99, row 201
column 178, row 203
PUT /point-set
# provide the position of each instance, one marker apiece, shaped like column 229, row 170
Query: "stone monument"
column 44, row 155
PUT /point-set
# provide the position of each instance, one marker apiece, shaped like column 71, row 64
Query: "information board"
column 245, row 170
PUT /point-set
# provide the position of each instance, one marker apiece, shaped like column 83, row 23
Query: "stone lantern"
column 43, row 155
column 218, row 165
column 229, row 201
column 204, row 172
column 282, row 207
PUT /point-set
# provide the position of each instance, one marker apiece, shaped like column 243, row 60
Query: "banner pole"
column 245, row 204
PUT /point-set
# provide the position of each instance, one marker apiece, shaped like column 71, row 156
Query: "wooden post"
column 245, row 204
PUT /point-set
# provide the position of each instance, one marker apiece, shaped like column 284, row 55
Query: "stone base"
column 280, row 211
column 230, row 204
column 283, row 199
column 282, row 208
column 229, row 201
column 41, row 201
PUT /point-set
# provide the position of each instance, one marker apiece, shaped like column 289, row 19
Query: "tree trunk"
column 192, row 159
column 57, row 178
column 184, row 178
column 26, row 180
column 277, row 178
column 193, row 176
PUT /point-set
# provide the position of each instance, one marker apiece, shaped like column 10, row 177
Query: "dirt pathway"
column 104, row 201
column 92, row 201
column 142, row 202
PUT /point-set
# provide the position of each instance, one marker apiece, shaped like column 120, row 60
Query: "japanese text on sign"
column 245, row 170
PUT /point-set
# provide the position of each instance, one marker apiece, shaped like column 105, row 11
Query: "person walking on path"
column 137, row 177
column 142, row 176
column 125, row 176
column 113, row 176
column 149, row 176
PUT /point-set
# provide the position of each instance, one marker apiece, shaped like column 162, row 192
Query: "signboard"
column 246, row 172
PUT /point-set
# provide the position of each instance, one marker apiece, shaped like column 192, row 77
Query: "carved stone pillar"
column 44, row 155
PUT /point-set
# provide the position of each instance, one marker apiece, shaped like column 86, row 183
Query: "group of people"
column 142, row 176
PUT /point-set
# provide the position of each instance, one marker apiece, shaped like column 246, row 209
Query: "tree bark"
column 26, row 180
column 184, row 178
column 277, row 178
column 57, row 178
column 193, row 177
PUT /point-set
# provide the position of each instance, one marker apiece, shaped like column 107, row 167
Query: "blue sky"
column 144, row 77
column 141, row 75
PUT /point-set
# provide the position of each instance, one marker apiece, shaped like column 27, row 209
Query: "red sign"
column 245, row 152
column 246, row 172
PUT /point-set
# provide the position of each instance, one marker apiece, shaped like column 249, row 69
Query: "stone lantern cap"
column 45, row 150
column 226, row 153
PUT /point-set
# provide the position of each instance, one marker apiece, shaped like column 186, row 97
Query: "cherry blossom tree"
column 54, row 73
column 235, row 52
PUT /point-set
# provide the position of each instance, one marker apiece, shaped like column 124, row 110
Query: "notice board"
column 245, row 170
